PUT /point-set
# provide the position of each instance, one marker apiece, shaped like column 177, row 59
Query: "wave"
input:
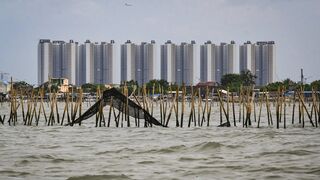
column 13, row 173
column 46, row 156
column 289, row 152
column 171, row 149
column 207, row 146
column 98, row 177
column 187, row 159
column 115, row 151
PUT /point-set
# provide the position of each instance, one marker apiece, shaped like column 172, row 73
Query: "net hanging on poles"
column 119, row 102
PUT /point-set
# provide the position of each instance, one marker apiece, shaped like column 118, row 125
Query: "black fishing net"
column 118, row 101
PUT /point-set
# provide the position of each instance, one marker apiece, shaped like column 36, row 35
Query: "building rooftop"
column 44, row 41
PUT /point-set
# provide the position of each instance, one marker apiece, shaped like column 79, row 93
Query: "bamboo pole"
column 233, row 110
column 170, row 111
column 166, row 106
column 260, row 108
column 199, row 105
column 97, row 114
column 240, row 102
column 65, row 108
column 305, row 108
column 284, row 113
column 127, row 106
column 293, row 106
column 208, row 107
column 177, row 106
column 191, row 110
column 222, row 106
column 110, row 110
column 278, row 108
column 182, row 105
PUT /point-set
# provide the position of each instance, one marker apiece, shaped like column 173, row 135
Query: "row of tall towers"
column 218, row 60
column 137, row 61
column 80, row 64
column 259, row 58
column 94, row 62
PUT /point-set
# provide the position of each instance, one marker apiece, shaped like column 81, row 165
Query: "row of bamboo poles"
column 196, row 111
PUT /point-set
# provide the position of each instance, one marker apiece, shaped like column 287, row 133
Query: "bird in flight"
column 127, row 4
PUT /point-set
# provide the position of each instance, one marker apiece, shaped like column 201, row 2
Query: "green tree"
column 231, row 81
column 289, row 84
column 22, row 86
column 131, row 85
column 87, row 88
column 274, row 86
column 247, row 78
column 156, row 84
column 316, row 85
column 234, row 81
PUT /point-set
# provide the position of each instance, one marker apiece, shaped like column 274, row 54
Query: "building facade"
column 259, row 58
column 103, row 62
column 226, row 56
column 45, row 61
column 247, row 57
column 86, row 63
column 128, row 61
column 265, row 62
column 208, row 62
column 70, row 60
column 217, row 60
column 177, row 62
column 168, row 55
column 94, row 62
column 137, row 62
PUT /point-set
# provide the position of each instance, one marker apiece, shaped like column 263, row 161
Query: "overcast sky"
column 294, row 25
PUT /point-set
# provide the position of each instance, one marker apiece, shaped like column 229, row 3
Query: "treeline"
column 232, row 82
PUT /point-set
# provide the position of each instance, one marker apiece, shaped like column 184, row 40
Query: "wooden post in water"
column 205, row 109
column 228, row 109
column 239, row 102
column 177, row 106
column 183, row 105
column 97, row 114
column 127, row 107
column 222, row 106
column 254, row 109
column 305, row 108
column 199, row 105
column 278, row 108
column 233, row 110
column 284, row 112
column 293, row 106
column 260, row 108
column 208, row 107
column 110, row 109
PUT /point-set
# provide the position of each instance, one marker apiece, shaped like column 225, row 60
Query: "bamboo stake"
column 233, row 110
column 127, row 107
column 199, row 105
column 284, row 113
column 191, row 110
column 303, row 104
column 182, row 106
column 240, row 102
column 177, row 106
column 260, row 108
column 222, row 106
column 293, row 106
column 209, row 108
column 110, row 109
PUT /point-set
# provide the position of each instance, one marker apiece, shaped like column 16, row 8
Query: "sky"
column 294, row 25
